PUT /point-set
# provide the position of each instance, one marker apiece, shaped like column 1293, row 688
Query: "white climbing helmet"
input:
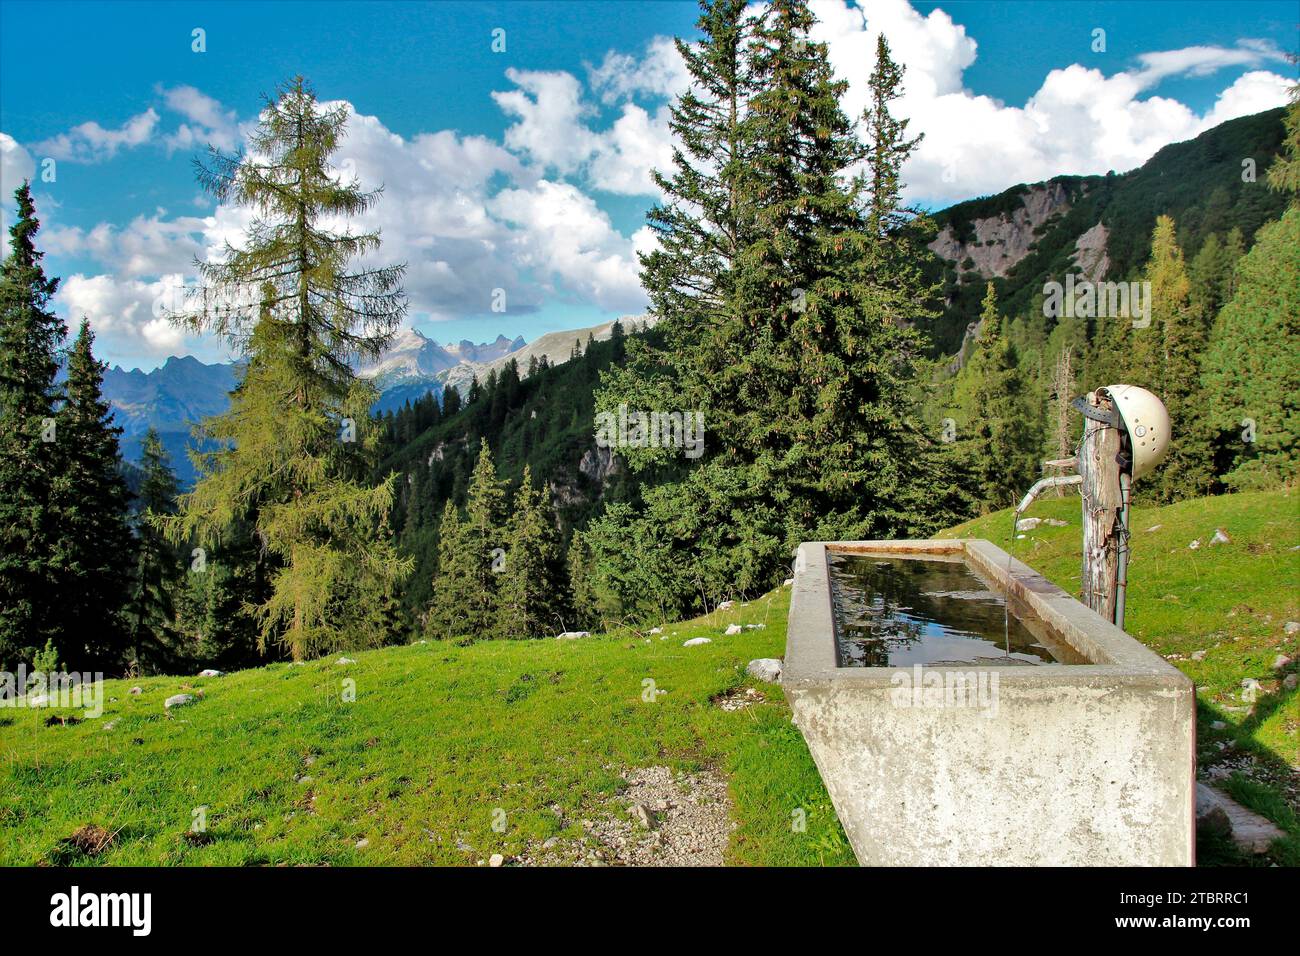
column 1147, row 422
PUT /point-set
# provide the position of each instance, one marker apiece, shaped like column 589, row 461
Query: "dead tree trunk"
column 1102, row 504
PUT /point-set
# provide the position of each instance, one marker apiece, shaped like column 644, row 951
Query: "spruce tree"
column 89, row 498
column 1175, row 376
column 530, row 596
column 483, row 534
column 295, row 448
column 471, row 558
column 445, row 619
column 151, row 613
column 30, row 335
column 784, row 318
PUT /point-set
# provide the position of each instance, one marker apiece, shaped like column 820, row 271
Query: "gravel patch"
column 668, row 819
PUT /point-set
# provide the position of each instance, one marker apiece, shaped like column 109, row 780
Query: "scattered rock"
column 1194, row 545
column 1220, row 537
column 739, row 699
column 1055, row 523
column 178, row 700
column 642, row 815
column 755, row 627
column 1154, row 527
column 1250, row 689
column 726, row 605
column 1280, row 662
column 656, row 630
column 765, row 669
column 496, row 859
column 787, row 582
column 363, row 843
column 733, row 630
column 345, row 660
column 1218, row 725
column 136, row 691
column 696, row 642
column 1198, row 655
column 1251, row 832
column 110, row 725
column 211, row 672
column 1291, row 627
column 1211, row 817
column 1289, row 682
column 1028, row 524
column 572, row 635
column 550, row 843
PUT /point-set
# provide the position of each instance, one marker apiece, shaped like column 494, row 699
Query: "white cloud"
column 208, row 121
column 121, row 312
column 92, row 143
column 1079, row 121
column 660, row 73
column 16, row 164
column 550, row 118
column 563, row 233
column 552, row 128
column 470, row 215
column 147, row 246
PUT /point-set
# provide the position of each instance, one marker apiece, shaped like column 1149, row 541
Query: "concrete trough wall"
column 1053, row 765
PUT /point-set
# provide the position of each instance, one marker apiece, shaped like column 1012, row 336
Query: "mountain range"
column 183, row 391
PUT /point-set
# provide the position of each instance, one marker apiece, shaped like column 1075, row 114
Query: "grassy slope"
column 1230, row 601
column 441, row 736
column 437, row 739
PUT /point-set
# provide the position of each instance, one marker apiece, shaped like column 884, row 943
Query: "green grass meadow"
column 419, row 749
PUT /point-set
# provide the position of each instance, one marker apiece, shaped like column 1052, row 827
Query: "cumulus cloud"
column 207, row 121
column 122, row 313
column 1079, row 121
column 91, row 143
column 470, row 214
column 16, row 164
column 564, row 235
column 467, row 215
column 553, row 124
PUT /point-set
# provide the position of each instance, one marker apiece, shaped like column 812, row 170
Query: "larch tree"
column 294, row 451
column 1003, row 426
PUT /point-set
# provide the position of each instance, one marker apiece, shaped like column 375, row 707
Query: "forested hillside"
column 1201, row 184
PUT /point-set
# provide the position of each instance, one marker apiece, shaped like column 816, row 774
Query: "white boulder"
column 765, row 669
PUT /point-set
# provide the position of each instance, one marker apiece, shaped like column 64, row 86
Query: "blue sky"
column 527, row 169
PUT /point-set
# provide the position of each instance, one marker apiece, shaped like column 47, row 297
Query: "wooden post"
column 1102, row 504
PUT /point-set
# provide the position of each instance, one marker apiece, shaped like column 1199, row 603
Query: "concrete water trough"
column 963, row 710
